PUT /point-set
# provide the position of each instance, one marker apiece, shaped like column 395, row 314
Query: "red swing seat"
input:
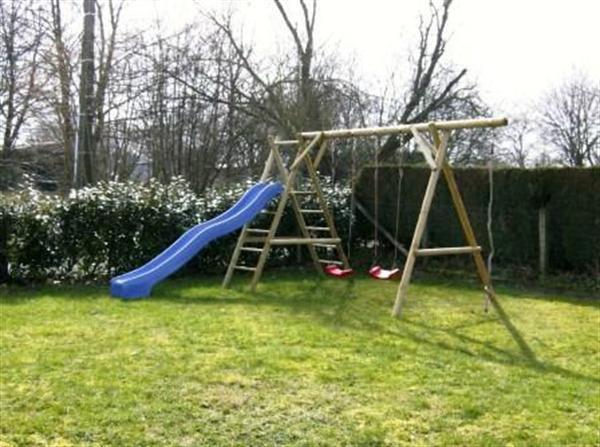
column 337, row 272
column 377, row 272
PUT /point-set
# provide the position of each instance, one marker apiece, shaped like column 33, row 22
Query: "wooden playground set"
column 301, row 181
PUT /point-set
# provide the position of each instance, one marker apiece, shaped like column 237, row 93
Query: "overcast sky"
column 515, row 49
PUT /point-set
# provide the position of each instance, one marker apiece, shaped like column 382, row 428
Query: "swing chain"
column 352, row 196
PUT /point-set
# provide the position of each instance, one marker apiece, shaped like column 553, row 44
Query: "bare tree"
column 293, row 95
column 432, row 87
column 58, row 60
column 87, row 120
column 570, row 121
column 191, row 117
column 21, row 38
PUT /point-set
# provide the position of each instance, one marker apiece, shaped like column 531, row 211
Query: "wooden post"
column 542, row 214
column 420, row 227
column 242, row 237
column 360, row 207
column 297, row 211
column 262, row 259
column 323, row 206
column 465, row 223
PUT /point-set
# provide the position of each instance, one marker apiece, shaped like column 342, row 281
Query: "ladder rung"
column 304, row 192
column 257, row 230
column 267, row 212
column 312, row 211
column 318, row 228
column 324, row 245
column 244, row 268
column 304, row 241
column 329, row 261
column 253, row 249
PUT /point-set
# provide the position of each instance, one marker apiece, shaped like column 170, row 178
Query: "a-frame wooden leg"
column 241, row 239
column 289, row 185
column 421, row 223
column 465, row 223
column 297, row 209
column 326, row 213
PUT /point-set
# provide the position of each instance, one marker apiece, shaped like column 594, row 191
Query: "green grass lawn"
column 300, row 362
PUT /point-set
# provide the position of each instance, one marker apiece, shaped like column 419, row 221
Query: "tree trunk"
column 85, row 145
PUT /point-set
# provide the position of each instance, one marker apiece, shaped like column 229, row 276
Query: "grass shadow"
column 331, row 302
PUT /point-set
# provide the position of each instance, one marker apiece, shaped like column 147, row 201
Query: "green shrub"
column 111, row 228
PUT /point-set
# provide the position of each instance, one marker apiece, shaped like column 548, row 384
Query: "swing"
column 377, row 271
column 334, row 270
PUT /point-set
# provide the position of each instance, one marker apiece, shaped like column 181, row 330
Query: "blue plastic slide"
column 139, row 282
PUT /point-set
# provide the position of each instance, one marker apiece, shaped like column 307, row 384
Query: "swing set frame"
column 432, row 141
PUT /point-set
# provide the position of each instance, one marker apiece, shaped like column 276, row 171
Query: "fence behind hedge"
column 571, row 197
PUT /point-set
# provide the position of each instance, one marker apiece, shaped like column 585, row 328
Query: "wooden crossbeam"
column 406, row 128
column 442, row 251
column 300, row 158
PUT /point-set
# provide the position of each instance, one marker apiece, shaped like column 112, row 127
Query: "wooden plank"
column 401, row 248
column 463, row 218
column 243, row 234
column 235, row 257
column 302, row 155
column 424, row 147
column 406, row 128
column 245, row 268
column 543, row 252
column 420, row 226
column 252, row 249
column 304, row 241
column 257, row 230
column 320, row 154
column 442, row 251
column 267, row 169
column 323, row 205
column 297, row 211
column 262, row 259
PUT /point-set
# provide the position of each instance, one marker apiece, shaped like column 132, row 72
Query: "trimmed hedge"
column 571, row 197
column 114, row 227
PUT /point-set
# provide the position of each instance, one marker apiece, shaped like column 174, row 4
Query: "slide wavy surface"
column 139, row 282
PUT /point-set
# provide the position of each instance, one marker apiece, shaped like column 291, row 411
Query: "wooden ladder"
column 317, row 237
